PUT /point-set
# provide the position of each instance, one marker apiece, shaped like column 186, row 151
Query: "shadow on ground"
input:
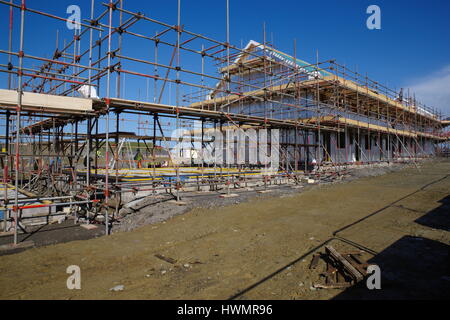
column 52, row 234
column 438, row 218
column 411, row 268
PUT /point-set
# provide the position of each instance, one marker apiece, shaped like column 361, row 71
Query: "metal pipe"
column 19, row 106
column 108, row 96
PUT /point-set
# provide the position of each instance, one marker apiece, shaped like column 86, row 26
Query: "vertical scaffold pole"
column 178, row 90
column 19, row 106
column 228, row 143
column 319, row 139
column 8, row 115
column 108, row 96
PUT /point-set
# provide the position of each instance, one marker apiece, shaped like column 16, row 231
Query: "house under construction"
column 77, row 143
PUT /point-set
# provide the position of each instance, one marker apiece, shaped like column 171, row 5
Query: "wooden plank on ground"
column 166, row 259
column 314, row 261
column 347, row 265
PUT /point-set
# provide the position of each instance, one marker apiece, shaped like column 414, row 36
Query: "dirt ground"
column 261, row 249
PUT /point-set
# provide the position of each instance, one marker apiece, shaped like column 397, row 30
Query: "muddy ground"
column 261, row 248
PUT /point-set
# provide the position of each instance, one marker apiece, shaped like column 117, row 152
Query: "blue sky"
column 411, row 50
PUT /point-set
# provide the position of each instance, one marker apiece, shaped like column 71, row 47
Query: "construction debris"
column 314, row 261
column 117, row 288
column 341, row 270
column 89, row 226
column 166, row 259
column 345, row 264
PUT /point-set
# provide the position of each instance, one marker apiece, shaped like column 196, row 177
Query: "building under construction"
column 79, row 142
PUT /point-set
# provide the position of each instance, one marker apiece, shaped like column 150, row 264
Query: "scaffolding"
column 64, row 117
